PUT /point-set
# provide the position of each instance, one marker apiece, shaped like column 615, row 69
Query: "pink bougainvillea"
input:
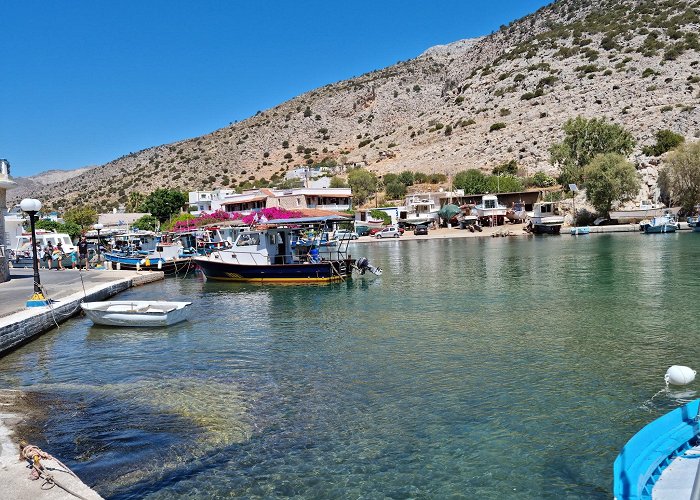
column 219, row 216
column 270, row 214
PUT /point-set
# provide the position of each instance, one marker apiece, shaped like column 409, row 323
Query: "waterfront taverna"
column 5, row 184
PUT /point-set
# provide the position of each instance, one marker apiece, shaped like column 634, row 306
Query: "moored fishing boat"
column 149, row 253
column 663, row 224
column 545, row 219
column 282, row 251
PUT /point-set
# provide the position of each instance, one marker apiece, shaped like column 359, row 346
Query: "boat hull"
column 664, row 228
column 645, row 457
column 546, row 228
column 575, row 231
column 136, row 314
column 322, row 272
column 141, row 264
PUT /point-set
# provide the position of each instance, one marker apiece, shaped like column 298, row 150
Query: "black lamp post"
column 31, row 207
column 98, row 227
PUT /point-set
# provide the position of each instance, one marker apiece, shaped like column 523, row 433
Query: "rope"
column 82, row 283
column 34, row 454
column 49, row 303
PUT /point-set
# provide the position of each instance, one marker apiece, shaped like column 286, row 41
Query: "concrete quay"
column 67, row 289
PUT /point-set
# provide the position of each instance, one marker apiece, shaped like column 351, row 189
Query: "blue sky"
column 84, row 82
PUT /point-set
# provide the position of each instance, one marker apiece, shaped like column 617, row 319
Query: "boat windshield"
column 248, row 239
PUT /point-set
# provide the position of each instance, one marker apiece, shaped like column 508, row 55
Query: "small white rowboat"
column 136, row 312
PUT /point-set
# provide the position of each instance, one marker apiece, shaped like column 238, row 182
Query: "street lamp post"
column 31, row 207
column 98, row 227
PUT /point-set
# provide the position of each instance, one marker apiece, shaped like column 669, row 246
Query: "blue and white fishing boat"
column 663, row 224
column 148, row 252
column 662, row 460
column 282, row 251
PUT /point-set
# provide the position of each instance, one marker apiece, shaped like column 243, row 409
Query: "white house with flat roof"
column 208, row 201
column 5, row 183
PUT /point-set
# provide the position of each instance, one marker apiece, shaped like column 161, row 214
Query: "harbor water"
column 473, row 368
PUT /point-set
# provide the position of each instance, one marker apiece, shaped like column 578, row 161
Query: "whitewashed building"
column 5, row 184
column 208, row 201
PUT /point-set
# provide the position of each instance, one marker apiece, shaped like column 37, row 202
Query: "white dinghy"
column 136, row 312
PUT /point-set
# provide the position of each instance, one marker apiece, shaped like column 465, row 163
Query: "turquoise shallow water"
column 472, row 368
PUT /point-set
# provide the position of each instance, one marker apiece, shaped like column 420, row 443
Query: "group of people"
column 51, row 253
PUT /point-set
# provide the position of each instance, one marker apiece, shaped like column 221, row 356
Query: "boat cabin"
column 545, row 209
column 489, row 201
column 282, row 242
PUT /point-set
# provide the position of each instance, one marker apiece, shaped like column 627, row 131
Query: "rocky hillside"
column 471, row 104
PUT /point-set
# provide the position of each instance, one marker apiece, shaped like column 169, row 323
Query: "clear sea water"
column 473, row 368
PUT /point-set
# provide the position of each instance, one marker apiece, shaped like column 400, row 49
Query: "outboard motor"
column 363, row 265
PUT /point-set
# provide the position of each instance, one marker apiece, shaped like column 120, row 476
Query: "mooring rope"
column 34, row 455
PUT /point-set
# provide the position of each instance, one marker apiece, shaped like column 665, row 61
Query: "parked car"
column 420, row 229
column 362, row 230
column 346, row 234
column 388, row 232
column 375, row 230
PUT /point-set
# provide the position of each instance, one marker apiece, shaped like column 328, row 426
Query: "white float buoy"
column 679, row 375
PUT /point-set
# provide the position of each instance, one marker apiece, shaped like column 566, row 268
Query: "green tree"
column 389, row 178
column 502, row 184
column 395, row 190
column 70, row 228
column 540, row 179
column 338, row 182
column 583, row 140
column 420, row 178
column 82, row 216
column 363, row 185
column 473, row 181
column 162, row 203
column 609, row 178
column 681, row 177
column 437, row 178
column 507, row 168
column 380, row 214
column 666, row 140
column 406, row 178
column 146, row 223
column 135, row 200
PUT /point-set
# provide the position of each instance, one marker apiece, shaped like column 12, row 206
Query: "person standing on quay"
column 48, row 252
column 59, row 254
column 83, row 253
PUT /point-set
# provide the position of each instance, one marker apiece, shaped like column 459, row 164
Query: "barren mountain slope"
column 635, row 63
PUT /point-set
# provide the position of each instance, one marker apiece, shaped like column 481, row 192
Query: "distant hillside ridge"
column 473, row 103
